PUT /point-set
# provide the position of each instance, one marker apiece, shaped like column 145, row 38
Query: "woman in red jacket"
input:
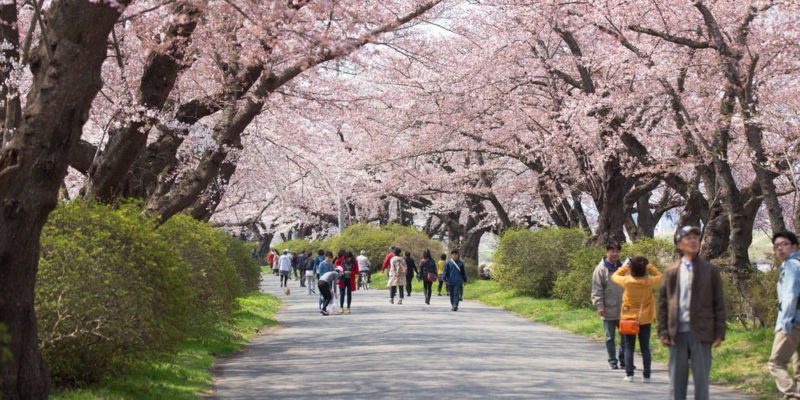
column 347, row 282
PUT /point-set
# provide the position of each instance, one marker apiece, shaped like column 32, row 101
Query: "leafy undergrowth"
column 186, row 372
column 740, row 362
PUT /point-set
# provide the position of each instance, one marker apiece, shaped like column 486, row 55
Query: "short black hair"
column 321, row 252
column 426, row 254
column 454, row 251
column 790, row 236
column 329, row 254
column 396, row 251
column 443, row 256
column 613, row 244
column 408, row 254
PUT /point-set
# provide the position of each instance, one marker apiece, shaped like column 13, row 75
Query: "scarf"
column 612, row 267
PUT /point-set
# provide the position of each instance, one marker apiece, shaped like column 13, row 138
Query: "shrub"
column 213, row 275
column 529, row 260
column 247, row 269
column 417, row 243
column 574, row 285
column 374, row 240
column 659, row 252
column 298, row 245
column 105, row 287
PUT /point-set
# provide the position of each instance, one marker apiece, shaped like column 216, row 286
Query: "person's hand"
column 601, row 313
column 718, row 342
column 665, row 341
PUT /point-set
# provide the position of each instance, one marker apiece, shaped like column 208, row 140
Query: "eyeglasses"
column 782, row 244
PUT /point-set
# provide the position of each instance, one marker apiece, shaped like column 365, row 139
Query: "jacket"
column 285, row 262
column 606, row 295
column 788, row 293
column 637, row 289
column 707, row 319
column 397, row 272
column 353, row 271
column 386, row 262
column 411, row 268
column 363, row 263
column 440, row 267
column 426, row 267
column 454, row 272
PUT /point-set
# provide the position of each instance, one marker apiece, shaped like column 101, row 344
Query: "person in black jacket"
column 427, row 269
column 301, row 265
column 411, row 270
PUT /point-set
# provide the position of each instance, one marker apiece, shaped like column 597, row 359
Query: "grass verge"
column 740, row 362
column 186, row 372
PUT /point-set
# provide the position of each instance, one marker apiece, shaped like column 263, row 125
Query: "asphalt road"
column 419, row 351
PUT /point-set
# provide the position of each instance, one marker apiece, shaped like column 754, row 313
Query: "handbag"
column 631, row 326
column 432, row 277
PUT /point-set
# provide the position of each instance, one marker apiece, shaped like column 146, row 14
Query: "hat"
column 680, row 233
column 285, row 251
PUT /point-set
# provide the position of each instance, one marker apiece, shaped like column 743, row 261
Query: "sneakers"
column 455, row 308
column 323, row 312
column 341, row 311
column 452, row 308
column 645, row 380
column 613, row 366
column 628, row 379
column 400, row 301
column 440, row 293
column 348, row 311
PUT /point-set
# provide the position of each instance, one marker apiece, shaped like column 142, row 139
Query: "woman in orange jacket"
column 639, row 304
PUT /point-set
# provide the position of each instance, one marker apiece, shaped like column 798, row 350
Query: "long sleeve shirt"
column 285, row 262
column 788, row 293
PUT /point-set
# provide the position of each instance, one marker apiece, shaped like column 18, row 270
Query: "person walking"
column 440, row 272
column 347, row 283
column 285, row 266
column 607, row 298
column 411, row 271
column 787, row 326
column 363, row 267
column 691, row 315
column 301, row 267
column 325, row 285
column 397, row 276
column 455, row 276
column 387, row 261
column 324, row 267
column 427, row 272
column 294, row 265
column 638, row 304
column 274, row 260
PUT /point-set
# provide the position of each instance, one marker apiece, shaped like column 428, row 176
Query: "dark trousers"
column 441, row 282
column 303, row 274
column 455, row 294
column 325, row 291
column 294, row 272
column 347, row 290
column 409, row 279
column 644, row 347
column 285, row 280
column 427, row 287
column 393, row 290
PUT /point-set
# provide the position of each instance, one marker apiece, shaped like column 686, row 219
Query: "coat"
column 353, row 274
column 707, row 308
column 411, row 269
column 425, row 267
column 637, row 289
column 606, row 295
column 397, row 272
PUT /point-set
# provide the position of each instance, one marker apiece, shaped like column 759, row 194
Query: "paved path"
column 416, row 351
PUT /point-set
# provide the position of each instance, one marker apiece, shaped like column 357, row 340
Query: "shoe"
column 323, row 312
column 452, row 308
column 627, row 379
column 440, row 293
column 348, row 311
column 391, row 301
column 400, row 301
column 645, row 380
column 341, row 311
column 455, row 308
column 613, row 366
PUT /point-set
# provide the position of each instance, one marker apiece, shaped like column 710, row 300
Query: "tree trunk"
column 470, row 245
column 611, row 220
column 66, row 78
column 205, row 206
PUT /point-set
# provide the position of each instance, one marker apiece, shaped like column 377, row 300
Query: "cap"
column 680, row 233
column 285, row 251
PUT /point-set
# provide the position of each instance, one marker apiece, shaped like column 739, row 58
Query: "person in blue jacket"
column 787, row 326
column 455, row 276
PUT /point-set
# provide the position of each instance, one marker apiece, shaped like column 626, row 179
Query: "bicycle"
column 363, row 280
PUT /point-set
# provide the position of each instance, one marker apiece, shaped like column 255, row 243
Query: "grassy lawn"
column 740, row 362
column 186, row 372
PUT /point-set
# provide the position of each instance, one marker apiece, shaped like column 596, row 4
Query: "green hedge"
column 111, row 285
column 375, row 241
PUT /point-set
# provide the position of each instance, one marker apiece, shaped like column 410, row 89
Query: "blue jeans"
column 644, row 347
column 346, row 291
column 610, row 328
column 455, row 294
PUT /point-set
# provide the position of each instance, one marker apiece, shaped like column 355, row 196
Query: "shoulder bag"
column 631, row 326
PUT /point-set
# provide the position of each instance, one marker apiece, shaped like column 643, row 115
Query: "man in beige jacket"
column 607, row 297
column 691, row 315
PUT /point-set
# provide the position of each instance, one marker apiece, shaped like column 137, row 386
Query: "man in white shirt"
column 363, row 267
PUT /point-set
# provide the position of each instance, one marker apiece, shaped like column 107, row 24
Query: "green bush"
column 659, row 252
column 374, row 240
column 247, row 269
column 417, row 243
column 298, row 245
column 529, row 260
column 574, row 285
column 111, row 285
column 106, row 287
